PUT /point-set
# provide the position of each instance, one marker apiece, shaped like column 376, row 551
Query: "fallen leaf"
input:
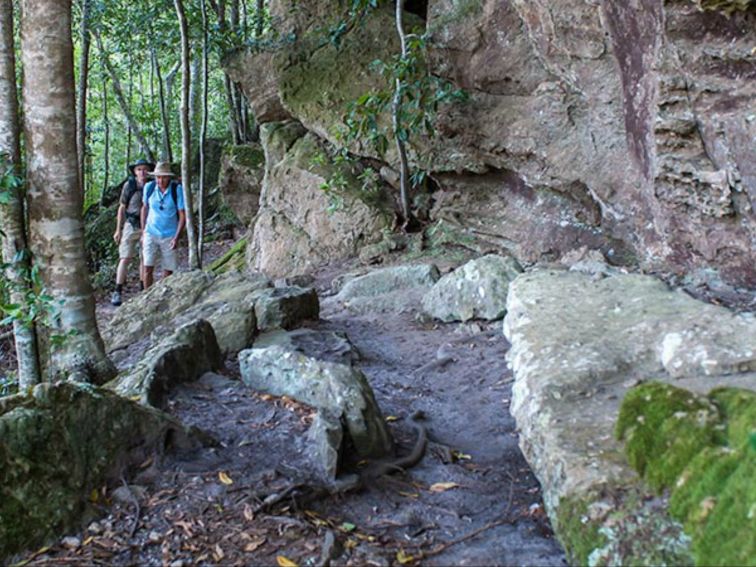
column 285, row 561
column 348, row 527
column 460, row 456
column 403, row 558
column 254, row 545
column 224, row 478
column 249, row 515
column 218, row 554
column 390, row 418
column 443, row 486
column 409, row 494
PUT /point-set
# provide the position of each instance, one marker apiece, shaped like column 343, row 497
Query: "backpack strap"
column 174, row 194
column 149, row 188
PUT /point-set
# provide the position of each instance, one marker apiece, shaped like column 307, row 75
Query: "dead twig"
column 444, row 546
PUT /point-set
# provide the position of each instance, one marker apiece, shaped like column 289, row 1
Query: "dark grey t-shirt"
column 134, row 206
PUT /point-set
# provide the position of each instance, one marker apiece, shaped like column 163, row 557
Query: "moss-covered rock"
column 664, row 428
column 233, row 259
column 240, row 180
column 60, row 443
column 699, row 448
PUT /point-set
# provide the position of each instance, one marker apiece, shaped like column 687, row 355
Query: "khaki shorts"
column 129, row 244
column 156, row 247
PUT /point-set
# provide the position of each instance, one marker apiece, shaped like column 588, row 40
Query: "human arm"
column 143, row 218
column 181, row 223
column 120, row 215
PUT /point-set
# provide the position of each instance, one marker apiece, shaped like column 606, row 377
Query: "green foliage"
column 345, row 177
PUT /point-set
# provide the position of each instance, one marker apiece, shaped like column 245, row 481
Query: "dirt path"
column 471, row 501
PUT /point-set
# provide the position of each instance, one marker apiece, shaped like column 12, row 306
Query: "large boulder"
column 581, row 130
column 61, row 442
column 476, row 290
column 181, row 357
column 240, row 180
column 182, row 297
column 300, row 225
column 387, row 290
column 299, row 371
column 285, row 307
column 579, row 342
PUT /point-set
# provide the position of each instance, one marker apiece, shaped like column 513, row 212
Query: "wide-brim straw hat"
column 162, row 169
column 131, row 166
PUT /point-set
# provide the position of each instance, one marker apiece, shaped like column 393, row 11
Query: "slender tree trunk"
column 259, row 18
column 106, row 156
column 186, row 142
column 203, row 133
column 12, row 221
column 118, row 91
column 233, row 126
column 194, row 100
column 396, row 118
column 167, row 154
column 55, row 200
column 81, row 107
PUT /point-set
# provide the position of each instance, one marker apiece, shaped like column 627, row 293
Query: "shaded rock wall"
column 631, row 125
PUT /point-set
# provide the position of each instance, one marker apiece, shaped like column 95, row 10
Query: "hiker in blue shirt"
column 163, row 219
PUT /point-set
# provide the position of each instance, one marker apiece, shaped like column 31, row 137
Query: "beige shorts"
column 154, row 248
column 129, row 244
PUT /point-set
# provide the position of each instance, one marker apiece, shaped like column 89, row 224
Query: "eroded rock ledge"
column 580, row 343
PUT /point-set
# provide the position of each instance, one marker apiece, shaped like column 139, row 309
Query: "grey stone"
column 393, row 289
column 476, row 290
column 335, row 387
column 183, row 356
column 579, row 343
column 240, row 180
column 323, row 345
column 324, row 443
column 285, row 307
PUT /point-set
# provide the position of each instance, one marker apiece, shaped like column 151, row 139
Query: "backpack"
column 133, row 218
column 150, row 188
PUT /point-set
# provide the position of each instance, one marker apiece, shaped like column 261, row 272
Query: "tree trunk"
column 167, row 154
column 118, row 91
column 186, row 142
column 396, row 119
column 106, row 156
column 55, row 201
column 233, row 125
column 12, row 219
column 194, row 100
column 81, row 107
column 203, row 133
column 259, row 18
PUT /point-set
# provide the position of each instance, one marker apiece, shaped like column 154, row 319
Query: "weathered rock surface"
column 183, row 356
column 61, row 442
column 476, row 290
column 285, row 307
column 240, row 180
column 324, row 345
column 579, row 341
column 337, row 388
column 580, row 130
column 181, row 297
column 299, row 225
column 393, row 289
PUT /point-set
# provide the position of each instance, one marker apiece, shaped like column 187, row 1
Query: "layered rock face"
column 625, row 127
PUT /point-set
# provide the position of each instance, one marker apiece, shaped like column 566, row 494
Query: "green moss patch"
column 664, row 428
column 251, row 156
column 705, row 458
column 579, row 534
column 233, row 259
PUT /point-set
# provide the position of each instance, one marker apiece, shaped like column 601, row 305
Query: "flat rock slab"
column 331, row 346
column 183, row 356
column 337, row 388
column 579, row 342
column 387, row 290
column 61, row 442
column 475, row 290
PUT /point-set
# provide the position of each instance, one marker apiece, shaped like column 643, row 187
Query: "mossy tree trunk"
column 12, row 221
column 55, row 201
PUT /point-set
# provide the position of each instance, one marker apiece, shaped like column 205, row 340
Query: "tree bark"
column 12, row 219
column 167, row 153
column 396, row 119
column 106, row 152
column 55, row 201
column 186, row 142
column 118, row 91
column 259, row 18
column 203, row 132
column 81, row 106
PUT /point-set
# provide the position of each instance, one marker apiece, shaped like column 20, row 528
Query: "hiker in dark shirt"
column 128, row 224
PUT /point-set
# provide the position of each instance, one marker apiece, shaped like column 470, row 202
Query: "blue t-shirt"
column 162, row 216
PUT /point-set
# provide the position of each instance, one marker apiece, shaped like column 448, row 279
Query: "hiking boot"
column 116, row 299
